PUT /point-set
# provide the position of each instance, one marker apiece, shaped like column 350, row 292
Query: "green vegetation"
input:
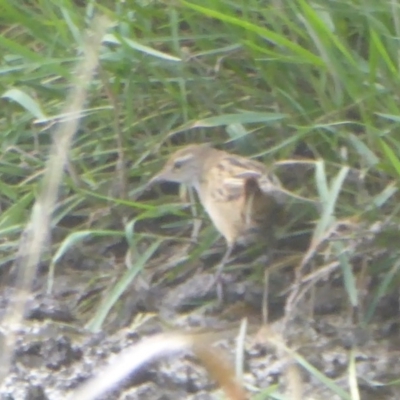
column 278, row 80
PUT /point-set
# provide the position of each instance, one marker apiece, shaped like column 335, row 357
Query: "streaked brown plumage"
column 240, row 195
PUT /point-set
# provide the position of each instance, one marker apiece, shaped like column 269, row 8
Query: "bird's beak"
column 157, row 178
column 154, row 179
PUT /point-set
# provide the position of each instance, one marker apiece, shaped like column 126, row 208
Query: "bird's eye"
column 178, row 164
column 182, row 161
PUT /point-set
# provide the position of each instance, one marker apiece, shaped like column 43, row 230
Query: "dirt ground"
column 55, row 354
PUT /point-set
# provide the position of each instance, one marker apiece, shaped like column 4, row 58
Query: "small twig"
column 120, row 167
column 35, row 235
column 135, row 358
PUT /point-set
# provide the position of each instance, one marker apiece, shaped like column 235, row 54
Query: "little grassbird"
column 240, row 195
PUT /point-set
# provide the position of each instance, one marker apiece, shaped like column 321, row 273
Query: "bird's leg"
column 224, row 260
column 217, row 281
column 218, row 274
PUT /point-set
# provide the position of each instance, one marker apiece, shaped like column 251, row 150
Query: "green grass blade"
column 246, row 117
column 102, row 312
column 25, row 101
column 271, row 36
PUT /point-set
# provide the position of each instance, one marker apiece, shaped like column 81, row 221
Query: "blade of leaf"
column 110, row 38
column 239, row 118
column 348, row 275
column 263, row 32
column 25, row 101
column 102, row 312
column 328, row 199
column 391, row 156
column 70, row 241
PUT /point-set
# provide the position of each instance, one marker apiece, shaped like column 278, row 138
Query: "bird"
column 240, row 195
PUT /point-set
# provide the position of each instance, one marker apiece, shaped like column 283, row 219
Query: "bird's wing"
column 236, row 175
column 242, row 170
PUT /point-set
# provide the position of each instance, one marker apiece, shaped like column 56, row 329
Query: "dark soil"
column 55, row 354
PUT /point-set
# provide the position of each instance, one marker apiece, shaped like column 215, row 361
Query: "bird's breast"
column 224, row 207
